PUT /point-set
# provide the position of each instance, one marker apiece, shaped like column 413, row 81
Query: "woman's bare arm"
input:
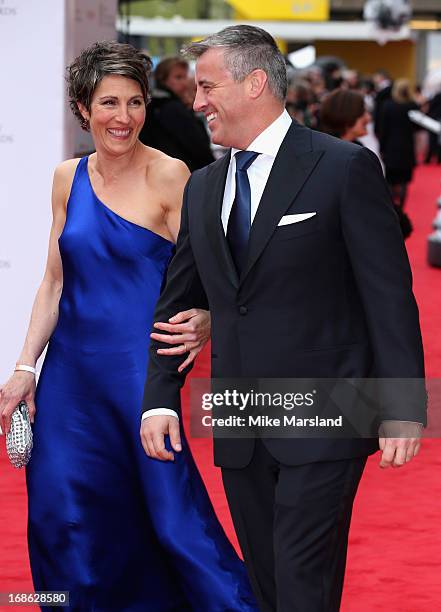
column 44, row 316
column 171, row 176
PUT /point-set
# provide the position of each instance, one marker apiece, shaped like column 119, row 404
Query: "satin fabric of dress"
column 115, row 528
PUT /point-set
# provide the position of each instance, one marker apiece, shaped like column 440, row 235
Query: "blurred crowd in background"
column 369, row 110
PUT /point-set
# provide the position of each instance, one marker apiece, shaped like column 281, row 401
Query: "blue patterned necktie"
column 239, row 223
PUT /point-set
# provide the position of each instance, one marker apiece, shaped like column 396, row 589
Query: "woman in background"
column 397, row 140
column 118, row 530
column 343, row 114
column 172, row 126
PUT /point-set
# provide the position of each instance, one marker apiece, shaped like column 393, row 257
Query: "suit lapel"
column 294, row 163
column 215, row 187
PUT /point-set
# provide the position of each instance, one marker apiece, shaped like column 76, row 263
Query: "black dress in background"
column 397, row 146
column 397, row 143
column 174, row 129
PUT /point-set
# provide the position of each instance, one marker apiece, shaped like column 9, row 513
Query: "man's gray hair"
column 247, row 48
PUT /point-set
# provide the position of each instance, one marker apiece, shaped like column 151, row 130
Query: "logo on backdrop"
column 5, row 137
column 106, row 15
column 7, row 9
column 5, row 264
column 102, row 14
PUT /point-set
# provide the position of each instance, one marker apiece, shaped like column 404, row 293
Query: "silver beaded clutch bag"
column 19, row 440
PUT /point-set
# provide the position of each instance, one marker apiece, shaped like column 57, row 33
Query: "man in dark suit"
column 292, row 243
column 383, row 86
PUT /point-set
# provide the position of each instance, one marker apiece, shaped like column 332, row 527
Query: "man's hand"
column 400, row 442
column 153, row 430
column 188, row 331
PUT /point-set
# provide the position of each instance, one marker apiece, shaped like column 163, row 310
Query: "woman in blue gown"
column 117, row 529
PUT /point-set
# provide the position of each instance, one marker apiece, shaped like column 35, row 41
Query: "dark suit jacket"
column 326, row 297
column 435, row 107
column 382, row 96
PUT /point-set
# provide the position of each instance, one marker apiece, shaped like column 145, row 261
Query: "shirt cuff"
column 400, row 429
column 159, row 412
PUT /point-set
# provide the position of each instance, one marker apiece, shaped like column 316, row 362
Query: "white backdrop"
column 87, row 21
column 37, row 40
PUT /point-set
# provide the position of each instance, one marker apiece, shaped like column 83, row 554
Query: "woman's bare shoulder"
column 66, row 169
column 63, row 178
column 162, row 167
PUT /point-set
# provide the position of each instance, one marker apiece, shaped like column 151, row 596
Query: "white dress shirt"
column 267, row 144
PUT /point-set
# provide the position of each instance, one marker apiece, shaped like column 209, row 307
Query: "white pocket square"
column 288, row 219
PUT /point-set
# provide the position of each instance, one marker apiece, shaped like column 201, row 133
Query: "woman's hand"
column 21, row 386
column 189, row 329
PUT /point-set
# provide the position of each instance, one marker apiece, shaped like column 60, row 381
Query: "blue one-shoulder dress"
column 117, row 529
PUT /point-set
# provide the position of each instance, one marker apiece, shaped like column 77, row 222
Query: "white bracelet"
column 20, row 367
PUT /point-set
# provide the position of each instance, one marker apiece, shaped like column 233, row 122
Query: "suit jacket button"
column 243, row 310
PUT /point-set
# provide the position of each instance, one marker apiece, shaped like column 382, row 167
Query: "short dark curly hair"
column 98, row 61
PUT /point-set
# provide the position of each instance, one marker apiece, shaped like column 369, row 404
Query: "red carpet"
column 395, row 543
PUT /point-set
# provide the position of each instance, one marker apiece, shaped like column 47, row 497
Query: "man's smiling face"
column 223, row 100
